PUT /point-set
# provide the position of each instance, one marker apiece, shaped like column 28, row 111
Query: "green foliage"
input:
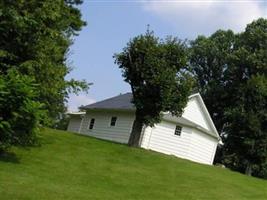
column 34, row 38
column 19, row 111
column 231, row 71
column 246, row 126
column 155, row 70
column 34, row 42
column 208, row 63
column 63, row 122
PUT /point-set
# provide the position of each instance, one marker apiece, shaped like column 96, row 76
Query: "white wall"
column 74, row 124
column 161, row 138
column 203, row 147
column 102, row 129
column 192, row 144
column 194, row 113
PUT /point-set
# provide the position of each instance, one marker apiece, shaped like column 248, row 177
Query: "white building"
column 192, row 136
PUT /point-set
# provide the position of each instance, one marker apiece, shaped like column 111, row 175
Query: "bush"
column 19, row 111
column 63, row 122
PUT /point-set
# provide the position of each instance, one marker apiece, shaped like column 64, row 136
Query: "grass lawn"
column 68, row 166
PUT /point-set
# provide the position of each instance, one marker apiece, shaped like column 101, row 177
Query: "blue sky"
column 111, row 23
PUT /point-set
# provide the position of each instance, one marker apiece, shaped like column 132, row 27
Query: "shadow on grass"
column 9, row 157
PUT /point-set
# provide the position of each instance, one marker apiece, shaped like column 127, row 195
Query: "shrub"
column 19, row 111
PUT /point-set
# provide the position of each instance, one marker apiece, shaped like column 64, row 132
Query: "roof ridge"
column 108, row 98
column 121, row 101
column 128, row 106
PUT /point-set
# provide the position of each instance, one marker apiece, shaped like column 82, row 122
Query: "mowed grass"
column 69, row 166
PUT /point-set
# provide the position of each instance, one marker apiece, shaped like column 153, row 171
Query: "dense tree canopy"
column 231, row 72
column 154, row 69
column 246, row 128
column 34, row 38
column 34, row 41
column 208, row 63
column 19, row 112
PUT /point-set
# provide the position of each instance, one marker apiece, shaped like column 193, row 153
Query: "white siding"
column 194, row 113
column 74, row 124
column 202, row 148
column 161, row 138
column 102, row 129
column 192, row 144
column 145, row 137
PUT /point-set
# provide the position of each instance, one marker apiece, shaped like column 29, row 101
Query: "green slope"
column 69, row 166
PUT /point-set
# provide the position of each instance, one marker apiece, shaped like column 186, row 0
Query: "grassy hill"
column 68, row 166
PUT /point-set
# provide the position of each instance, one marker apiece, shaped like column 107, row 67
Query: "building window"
column 178, row 130
column 92, row 123
column 113, row 121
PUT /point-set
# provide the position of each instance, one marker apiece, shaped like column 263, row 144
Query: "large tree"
column 231, row 72
column 20, row 112
column 208, row 62
column 245, row 146
column 35, row 37
column 155, row 70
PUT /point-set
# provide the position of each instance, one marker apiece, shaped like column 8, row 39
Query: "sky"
column 112, row 23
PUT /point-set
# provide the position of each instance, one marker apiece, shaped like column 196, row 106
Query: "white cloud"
column 192, row 18
column 77, row 101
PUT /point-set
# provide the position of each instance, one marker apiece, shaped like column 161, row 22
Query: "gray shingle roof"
column 123, row 101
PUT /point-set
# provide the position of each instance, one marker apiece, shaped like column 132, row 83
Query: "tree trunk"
column 1, row 151
column 249, row 164
column 136, row 132
column 249, row 169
